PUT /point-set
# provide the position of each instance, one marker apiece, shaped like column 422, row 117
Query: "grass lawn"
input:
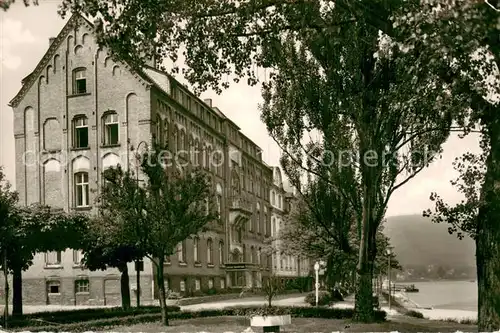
column 239, row 324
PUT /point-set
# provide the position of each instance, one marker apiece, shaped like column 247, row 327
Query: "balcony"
column 236, row 266
column 240, row 212
column 240, row 204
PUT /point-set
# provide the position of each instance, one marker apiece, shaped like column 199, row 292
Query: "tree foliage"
column 154, row 217
column 26, row 231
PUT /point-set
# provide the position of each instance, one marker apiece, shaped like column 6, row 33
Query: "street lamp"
column 139, row 264
column 316, row 270
column 389, row 275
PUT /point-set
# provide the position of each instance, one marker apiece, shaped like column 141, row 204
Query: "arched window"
column 218, row 199
column 221, row 253
column 110, row 128
column 82, row 189
column 210, row 251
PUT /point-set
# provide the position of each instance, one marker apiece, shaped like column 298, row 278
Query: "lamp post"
column 389, row 275
column 316, row 270
column 139, row 264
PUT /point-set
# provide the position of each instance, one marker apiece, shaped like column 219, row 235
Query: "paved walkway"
column 289, row 300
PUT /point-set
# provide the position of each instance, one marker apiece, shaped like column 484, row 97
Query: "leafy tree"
column 472, row 49
column 8, row 200
column 271, row 287
column 330, row 74
column 26, row 231
column 35, row 228
column 105, row 248
column 223, row 38
column 154, row 218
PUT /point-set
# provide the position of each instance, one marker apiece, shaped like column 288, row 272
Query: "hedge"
column 296, row 312
column 82, row 315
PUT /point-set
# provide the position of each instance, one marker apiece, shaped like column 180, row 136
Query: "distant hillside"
column 417, row 241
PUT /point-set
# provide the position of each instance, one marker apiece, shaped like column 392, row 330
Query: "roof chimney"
column 208, row 101
column 51, row 40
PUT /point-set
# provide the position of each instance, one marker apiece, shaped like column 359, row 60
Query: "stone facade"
column 285, row 265
column 79, row 113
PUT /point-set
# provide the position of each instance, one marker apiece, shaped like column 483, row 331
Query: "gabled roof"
column 75, row 20
column 31, row 78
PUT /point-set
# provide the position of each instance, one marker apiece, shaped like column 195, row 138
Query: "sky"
column 24, row 38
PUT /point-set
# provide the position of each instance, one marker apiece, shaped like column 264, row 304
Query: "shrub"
column 131, row 319
column 83, row 315
column 414, row 314
column 324, row 298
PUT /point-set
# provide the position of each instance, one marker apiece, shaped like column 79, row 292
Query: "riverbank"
column 435, row 313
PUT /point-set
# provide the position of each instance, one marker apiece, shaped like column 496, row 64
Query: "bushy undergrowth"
column 98, row 322
column 414, row 314
column 82, row 315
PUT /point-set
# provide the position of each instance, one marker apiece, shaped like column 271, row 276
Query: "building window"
column 273, row 198
column 258, row 222
column 110, row 129
column 273, row 233
column 219, row 204
column 82, row 286
column 159, row 131
column 181, row 252
column 183, row 285
column 221, row 253
column 165, row 132
column 77, row 257
column 79, row 81
column 53, row 287
column 81, row 132
column 251, row 255
column 196, row 249
column 210, row 283
column 82, row 189
column 266, row 225
column 197, row 284
column 53, row 258
column 210, row 251
column 222, row 283
column 259, row 254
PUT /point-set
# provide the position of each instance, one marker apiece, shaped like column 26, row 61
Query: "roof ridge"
column 28, row 81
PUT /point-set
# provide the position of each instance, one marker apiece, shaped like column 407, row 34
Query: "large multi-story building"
column 78, row 113
column 286, row 265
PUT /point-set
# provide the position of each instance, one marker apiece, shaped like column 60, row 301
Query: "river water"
column 456, row 295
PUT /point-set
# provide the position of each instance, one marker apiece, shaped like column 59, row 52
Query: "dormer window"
column 79, row 81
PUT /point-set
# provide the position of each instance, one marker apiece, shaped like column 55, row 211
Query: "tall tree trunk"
column 6, row 287
column 17, row 291
column 161, row 291
column 364, row 288
column 125, row 287
column 488, row 233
